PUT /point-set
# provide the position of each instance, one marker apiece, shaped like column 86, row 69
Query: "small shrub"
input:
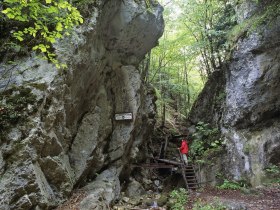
column 273, row 170
column 205, row 139
column 273, row 173
column 180, row 198
column 276, row 181
column 199, row 205
column 231, row 185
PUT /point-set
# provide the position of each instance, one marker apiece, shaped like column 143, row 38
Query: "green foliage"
column 173, row 71
column 148, row 3
column 204, row 130
column 180, row 199
column 38, row 24
column 208, row 22
column 233, row 185
column 13, row 106
column 273, row 172
column 199, row 205
column 220, row 97
column 219, row 175
column 197, row 148
column 205, row 140
column 85, row 7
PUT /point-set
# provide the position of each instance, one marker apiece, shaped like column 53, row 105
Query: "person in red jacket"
column 184, row 149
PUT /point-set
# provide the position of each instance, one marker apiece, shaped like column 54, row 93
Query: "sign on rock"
column 123, row 116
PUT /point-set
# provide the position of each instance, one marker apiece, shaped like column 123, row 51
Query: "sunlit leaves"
column 59, row 26
column 45, row 22
column 209, row 22
column 172, row 69
column 193, row 44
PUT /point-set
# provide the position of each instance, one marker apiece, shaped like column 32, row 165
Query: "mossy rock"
column 148, row 201
column 170, row 202
column 162, row 200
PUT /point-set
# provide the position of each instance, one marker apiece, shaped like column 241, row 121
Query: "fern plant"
column 231, row 185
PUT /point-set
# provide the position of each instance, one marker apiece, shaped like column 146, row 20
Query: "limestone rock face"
column 102, row 191
column 253, row 104
column 249, row 113
column 68, row 136
column 134, row 189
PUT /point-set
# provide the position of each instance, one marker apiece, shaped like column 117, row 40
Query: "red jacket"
column 184, row 147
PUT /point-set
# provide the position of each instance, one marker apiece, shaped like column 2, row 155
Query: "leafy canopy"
column 39, row 23
column 192, row 47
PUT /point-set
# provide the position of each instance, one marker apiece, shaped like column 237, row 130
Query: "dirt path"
column 255, row 199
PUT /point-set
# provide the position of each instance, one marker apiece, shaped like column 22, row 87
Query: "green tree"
column 192, row 47
column 208, row 22
column 37, row 24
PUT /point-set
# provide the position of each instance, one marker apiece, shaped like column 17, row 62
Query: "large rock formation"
column 249, row 113
column 66, row 135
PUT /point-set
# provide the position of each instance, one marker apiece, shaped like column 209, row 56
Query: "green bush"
column 232, row 185
column 180, row 198
column 273, row 170
column 205, row 138
column 199, row 205
column 273, row 173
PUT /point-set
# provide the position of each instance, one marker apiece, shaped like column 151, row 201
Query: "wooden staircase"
column 191, row 180
column 188, row 173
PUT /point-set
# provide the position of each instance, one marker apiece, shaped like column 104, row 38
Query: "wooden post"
column 199, row 173
column 163, row 116
column 165, row 146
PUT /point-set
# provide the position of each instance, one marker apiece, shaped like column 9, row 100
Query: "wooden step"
column 189, row 168
column 192, row 188
column 192, row 182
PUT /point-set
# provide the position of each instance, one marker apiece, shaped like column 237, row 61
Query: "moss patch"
column 266, row 15
column 13, row 106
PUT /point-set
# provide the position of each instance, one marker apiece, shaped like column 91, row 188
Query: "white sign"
column 123, row 116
